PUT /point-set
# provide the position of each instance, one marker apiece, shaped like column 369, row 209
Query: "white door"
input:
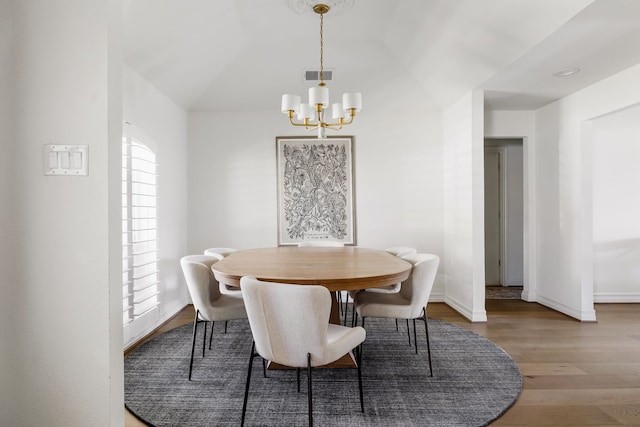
column 492, row 216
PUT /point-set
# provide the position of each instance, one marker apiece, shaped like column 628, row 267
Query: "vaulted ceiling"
column 231, row 55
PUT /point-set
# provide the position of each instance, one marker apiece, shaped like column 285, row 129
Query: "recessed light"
column 567, row 72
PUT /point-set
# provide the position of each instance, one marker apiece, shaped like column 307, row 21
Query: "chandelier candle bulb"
column 306, row 112
column 352, row 101
column 319, row 95
column 337, row 112
column 290, row 103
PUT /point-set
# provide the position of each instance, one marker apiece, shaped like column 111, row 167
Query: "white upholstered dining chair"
column 401, row 250
column 410, row 302
column 398, row 251
column 210, row 305
column 290, row 326
column 220, row 253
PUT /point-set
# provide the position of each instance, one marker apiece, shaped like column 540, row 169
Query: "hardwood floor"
column 574, row 373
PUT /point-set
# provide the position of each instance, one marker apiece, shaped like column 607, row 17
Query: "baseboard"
column 582, row 315
column 161, row 321
column 616, row 297
column 513, row 283
column 437, row 292
column 473, row 316
column 529, row 296
column 437, row 297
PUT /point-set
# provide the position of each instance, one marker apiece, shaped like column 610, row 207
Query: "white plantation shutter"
column 140, row 293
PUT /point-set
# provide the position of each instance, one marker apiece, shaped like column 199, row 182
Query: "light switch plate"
column 66, row 160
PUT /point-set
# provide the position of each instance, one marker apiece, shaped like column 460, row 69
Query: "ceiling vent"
column 314, row 75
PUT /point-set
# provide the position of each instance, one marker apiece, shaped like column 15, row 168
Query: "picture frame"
column 315, row 190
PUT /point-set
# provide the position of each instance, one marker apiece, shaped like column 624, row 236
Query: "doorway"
column 504, row 227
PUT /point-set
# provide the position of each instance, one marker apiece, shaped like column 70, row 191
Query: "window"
column 139, row 235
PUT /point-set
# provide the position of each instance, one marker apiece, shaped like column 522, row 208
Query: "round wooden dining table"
column 336, row 268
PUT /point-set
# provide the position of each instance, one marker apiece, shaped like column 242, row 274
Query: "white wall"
column 616, row 207
column 565, row 227
column 165, row 124
column 397, row 170
column 58, row 315
column 8, row 238
column 114, row 210
column 464, row 206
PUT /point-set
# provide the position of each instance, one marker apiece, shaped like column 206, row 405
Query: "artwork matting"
column 315, row 189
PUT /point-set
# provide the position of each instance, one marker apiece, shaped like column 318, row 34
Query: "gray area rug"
column 474, row 381
column 503, row 292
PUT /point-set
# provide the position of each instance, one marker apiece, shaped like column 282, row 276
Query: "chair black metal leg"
column 298, row 378
column 396, row 324
column 193, row 342
column 359, row 351
column 346, row 307
column 415, row 339
column 246, row 388
column 204, row 338
column 426, row 329
column 225, row 326
column 310, row 399
column 363, row 322
column 211, row 335
column 264, row 368
column 408, row 332
column 346, row 310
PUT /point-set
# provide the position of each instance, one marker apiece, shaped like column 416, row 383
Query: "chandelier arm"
column 336, row 126
column 343, row 122
column 348, row 122
column 311, row 126
column 306, row 123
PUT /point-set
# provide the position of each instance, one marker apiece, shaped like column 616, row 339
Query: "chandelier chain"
column 321, row 50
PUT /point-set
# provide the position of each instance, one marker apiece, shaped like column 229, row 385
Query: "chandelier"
column 312, row 115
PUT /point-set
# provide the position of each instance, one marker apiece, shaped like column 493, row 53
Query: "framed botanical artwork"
column 315, row 189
